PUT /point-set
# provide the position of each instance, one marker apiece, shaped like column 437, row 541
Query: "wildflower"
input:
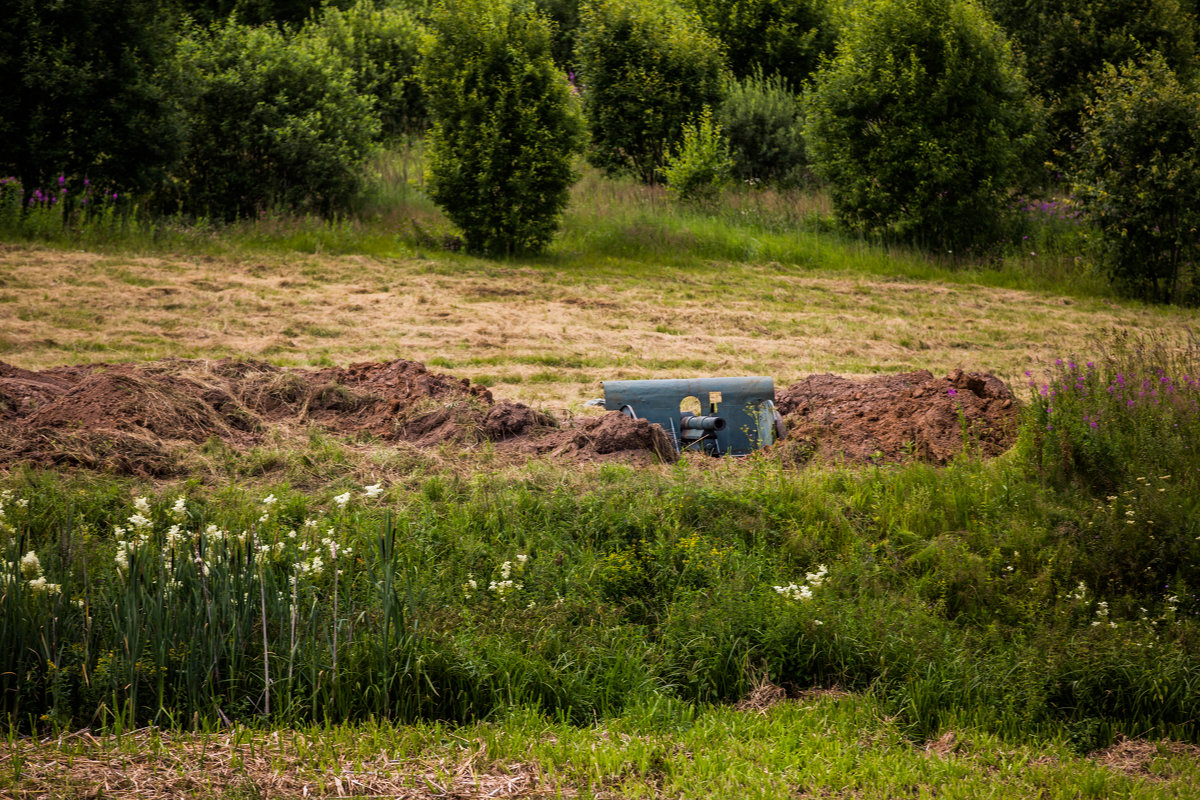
column 470, row 586
column 269, row 500
column 374, row 490
column 139, row 521
column 951, row 392
column 142, row 505
column 179, row 509
column 31, row 567
column 342, row 499
column 818, row 577
column 39, row 585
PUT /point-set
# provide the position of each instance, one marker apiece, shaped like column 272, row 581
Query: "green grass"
column 1016, row 602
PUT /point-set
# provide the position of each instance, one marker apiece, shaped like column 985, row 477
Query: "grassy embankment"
column 1041, row 597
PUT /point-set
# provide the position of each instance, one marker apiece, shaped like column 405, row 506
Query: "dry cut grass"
column 538, row 333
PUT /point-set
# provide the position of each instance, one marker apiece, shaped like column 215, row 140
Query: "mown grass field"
column 1019, row 627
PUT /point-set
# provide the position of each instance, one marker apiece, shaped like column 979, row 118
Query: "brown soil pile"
column 897, row 417
column 140, row 418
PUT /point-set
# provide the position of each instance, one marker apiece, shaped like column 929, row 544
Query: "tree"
column 1137, row 177
column 82, row 94
column 274, row 120
column 1066, row 43
column 383, row 48
column 920, row 122
column 776, row 37
column 505, row 127
column 647, row 67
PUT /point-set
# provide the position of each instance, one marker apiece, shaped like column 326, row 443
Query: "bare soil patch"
column 140, row 419
column 912, row 415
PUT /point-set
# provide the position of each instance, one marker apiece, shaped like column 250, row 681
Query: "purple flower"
column 951, row 392
column 61, row 179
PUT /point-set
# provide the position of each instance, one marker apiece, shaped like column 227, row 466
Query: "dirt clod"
column 891, row 418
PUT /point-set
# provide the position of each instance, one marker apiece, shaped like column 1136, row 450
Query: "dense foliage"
column 382, row 47
column 81, row 93
column 1138, row 177
column 647, row 67
column 775, row 37
column 763, row 119
column 274, row 120
column 1066, row 43
column 921, row 122
column 506, row 127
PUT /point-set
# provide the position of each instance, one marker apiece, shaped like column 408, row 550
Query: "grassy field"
column 1025, row 626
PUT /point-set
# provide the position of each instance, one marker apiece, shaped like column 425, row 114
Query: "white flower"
column 122, row 558
column 142, row 505
column 374, row 490
column 342, row 499
column 522, row 558
column 179, row 509
column 818, row 577
column 794, row 592
column 139, row 521
column 31, row 567
column 505, row 570
column 1102, row 609
column 269, row 500
column 39, row 585
column 23, row 503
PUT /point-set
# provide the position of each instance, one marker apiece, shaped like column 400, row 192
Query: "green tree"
column 777, row 37
column 764, row 123
column 647, row 67
column 1066, row 43
column 274, row 120
column 920, row 123
column 505, row 126
column 82, row 94
column 1138, row 176
column 383, row 48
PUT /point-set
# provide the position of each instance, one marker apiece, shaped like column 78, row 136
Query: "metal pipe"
column 702, row 423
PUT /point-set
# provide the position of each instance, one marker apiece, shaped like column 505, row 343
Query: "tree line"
column 925, row 120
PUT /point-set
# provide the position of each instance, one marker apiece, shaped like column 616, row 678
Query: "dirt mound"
column 610, row 437
column 138, row 418
column 898, row 417
column 142, row 419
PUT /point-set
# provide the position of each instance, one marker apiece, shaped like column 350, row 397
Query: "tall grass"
column 611, row 226
column 972, row 594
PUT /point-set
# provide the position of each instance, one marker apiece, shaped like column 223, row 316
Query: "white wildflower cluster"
column 134, row 537
column 470, row 586
column 6, row 501
column 1080, row 592
column 1102, row 616
column 31, row 571
column 507, row 583
column 799, row 592
column 342, row 499
column 374, row 490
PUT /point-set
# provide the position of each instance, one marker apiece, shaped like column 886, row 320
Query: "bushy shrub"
column 777, row 37
column 274, row 120
column 83, row 93
column 1066, row 43
column 764, row 123
column 647, row 66
column 920, row 122
column 382, row 47
column 699, row 167
column 1138, row 177
column 505, row 126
